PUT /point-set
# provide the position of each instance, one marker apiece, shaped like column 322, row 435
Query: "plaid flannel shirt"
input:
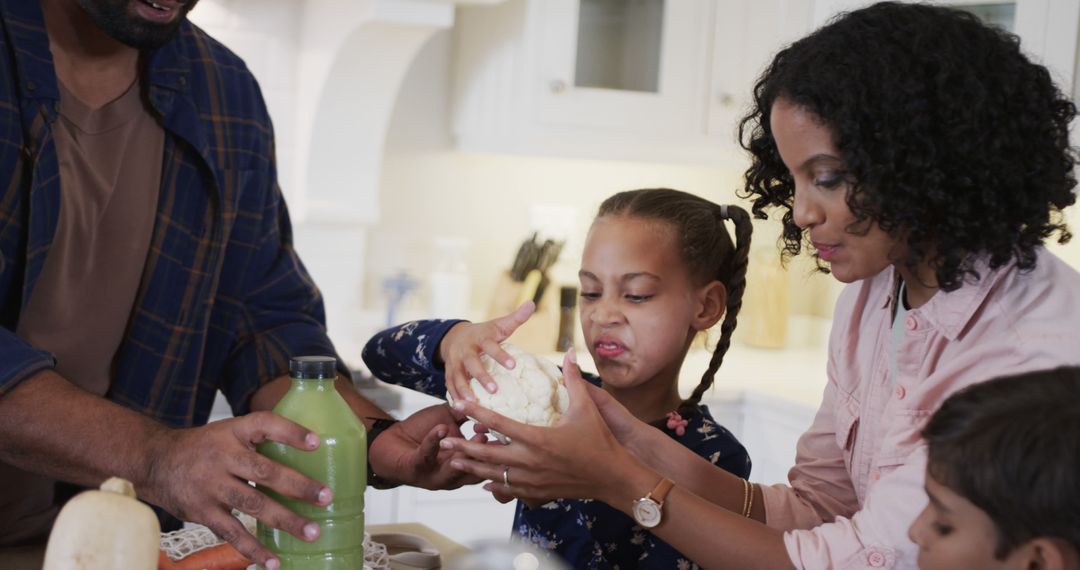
column 224, row 300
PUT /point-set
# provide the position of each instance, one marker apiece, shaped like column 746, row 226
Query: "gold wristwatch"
column 649, row 510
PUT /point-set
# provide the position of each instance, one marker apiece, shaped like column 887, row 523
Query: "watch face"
column 647, row 512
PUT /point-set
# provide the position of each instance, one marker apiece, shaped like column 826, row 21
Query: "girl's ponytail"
column 733, row 275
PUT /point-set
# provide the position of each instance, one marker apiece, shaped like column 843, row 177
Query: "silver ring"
column 506, row 477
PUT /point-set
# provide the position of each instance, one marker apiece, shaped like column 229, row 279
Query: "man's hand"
column 201, row 474
column 408, row 452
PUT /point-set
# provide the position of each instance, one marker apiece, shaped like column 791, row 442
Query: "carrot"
column 164, row 562
column 221, row 557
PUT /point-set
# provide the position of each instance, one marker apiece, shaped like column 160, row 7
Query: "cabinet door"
column 748, row 34
column 1047, row 28
column 623, row 65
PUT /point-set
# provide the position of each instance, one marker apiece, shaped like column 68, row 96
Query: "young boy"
column 1003, row 476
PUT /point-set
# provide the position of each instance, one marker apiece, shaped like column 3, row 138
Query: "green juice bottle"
column 340, row 462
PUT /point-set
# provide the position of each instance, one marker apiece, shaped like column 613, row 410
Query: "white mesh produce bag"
column 195, row 537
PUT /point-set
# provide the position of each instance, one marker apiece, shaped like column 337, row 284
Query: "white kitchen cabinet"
column 652, row 80
column 747, row 36
column 1047, row 28
column 636, row 66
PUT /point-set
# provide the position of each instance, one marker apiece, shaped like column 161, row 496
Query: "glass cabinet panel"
column 1001, row 14
column 1048, row 29
column 619, row 44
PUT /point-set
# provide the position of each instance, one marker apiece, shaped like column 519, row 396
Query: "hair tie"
column 723, row 212
column 677, row 423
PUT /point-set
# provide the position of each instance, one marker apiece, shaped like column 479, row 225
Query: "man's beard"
column 116, row 19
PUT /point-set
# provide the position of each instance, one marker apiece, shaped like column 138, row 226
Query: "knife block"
column 539, row 334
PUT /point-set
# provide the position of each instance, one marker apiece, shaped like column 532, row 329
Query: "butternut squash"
column 104, row 530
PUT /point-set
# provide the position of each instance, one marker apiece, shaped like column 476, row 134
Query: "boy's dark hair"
column 954, row 141
column 1010, row 447
column 707, row 251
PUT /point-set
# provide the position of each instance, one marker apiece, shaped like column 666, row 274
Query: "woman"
column 924, row 159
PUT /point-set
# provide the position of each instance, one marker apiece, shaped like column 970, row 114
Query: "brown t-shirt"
column 110, row 177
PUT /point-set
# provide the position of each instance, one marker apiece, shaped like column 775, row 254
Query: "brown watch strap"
column 660, row 491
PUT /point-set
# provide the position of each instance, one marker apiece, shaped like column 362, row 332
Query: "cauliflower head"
column 532, row 392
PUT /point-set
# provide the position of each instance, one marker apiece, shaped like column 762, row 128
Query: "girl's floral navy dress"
column 586, row 534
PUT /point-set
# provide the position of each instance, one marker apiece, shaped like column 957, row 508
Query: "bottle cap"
column 568, row 297
column 313, row 367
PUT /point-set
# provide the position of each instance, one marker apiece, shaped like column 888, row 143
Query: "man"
column 146, row 262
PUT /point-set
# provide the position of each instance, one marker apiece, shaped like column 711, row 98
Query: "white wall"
column 265, row 35
column 365, row 46
column 1070, row 252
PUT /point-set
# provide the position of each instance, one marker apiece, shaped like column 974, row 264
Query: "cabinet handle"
column 557, row 86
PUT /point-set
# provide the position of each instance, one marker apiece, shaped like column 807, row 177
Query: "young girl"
column 658, row 268
column 923, row 159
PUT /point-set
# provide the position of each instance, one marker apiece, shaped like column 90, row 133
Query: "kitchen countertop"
column 794, row 375
column 447, row 548
column 797, row 376
column 384, row 395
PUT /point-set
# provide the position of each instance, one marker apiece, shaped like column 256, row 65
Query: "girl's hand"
column 461, row 347
column 574, row 459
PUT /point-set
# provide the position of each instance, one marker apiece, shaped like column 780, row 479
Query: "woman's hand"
column 627, row 429
column 461, row 347
column 574, row 459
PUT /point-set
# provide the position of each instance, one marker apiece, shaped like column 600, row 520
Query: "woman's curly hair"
column 953, row 140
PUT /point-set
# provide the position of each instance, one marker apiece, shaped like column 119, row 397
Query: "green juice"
column 340, row 462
